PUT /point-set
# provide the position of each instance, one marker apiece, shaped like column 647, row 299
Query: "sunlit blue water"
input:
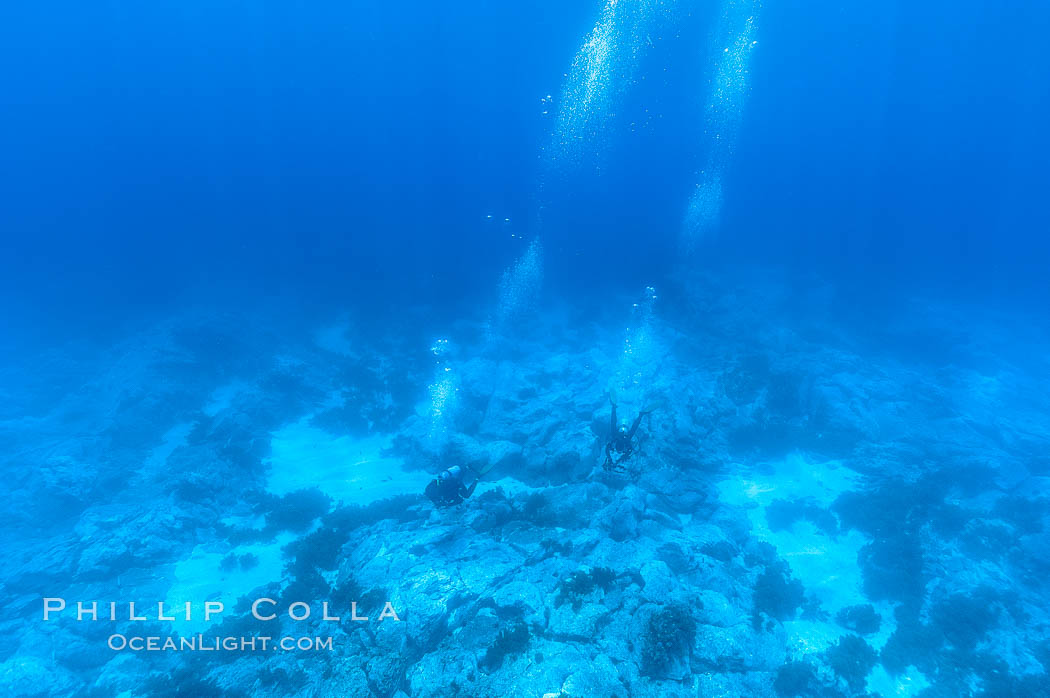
column 266, row 270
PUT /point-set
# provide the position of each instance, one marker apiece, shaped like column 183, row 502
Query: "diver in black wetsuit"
column 448, row 490
column 620, row 446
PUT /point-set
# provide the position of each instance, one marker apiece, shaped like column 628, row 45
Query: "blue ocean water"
column 269, row 271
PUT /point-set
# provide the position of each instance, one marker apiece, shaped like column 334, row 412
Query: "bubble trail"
column 723, row 116
column 641, row 349
column 519, row 291
column 604, row 66
column 443, row 392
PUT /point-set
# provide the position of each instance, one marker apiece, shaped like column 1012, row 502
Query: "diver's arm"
column 634, row 427
column 465, row 492
column 612, row 420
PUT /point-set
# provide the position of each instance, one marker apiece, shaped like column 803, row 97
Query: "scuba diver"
column 448, row 489
column 620, row 446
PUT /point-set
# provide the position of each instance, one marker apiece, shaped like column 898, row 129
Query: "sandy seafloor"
column 812, row 510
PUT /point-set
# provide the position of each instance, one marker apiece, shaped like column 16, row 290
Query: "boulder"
column 528, row 598
column 660, row 584
column 599, row 677
column 715, row 609
column 579, row 624
column 739, row 648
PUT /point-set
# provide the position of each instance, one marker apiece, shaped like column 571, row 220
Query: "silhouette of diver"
column 621, row 446
column 448, row 490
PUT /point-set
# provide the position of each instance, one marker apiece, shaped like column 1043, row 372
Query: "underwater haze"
column 553, row 350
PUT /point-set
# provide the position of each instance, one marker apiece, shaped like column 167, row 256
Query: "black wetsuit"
column 448, row 492
column 621, row 442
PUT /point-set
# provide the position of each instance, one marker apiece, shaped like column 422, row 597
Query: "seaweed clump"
column 852, row 659
column 912, row 643
column 578, row 585
column 233, row 561
column 965, row 620
column 535, row 507
column 295, row 511
column 777, row 595
column 668, row 640
column 512, row 640
column 860, row 619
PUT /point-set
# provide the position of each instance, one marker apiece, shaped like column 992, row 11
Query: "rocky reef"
column 803, row 515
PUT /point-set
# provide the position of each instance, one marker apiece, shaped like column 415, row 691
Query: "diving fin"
column 482, row 471
column 654, row 405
